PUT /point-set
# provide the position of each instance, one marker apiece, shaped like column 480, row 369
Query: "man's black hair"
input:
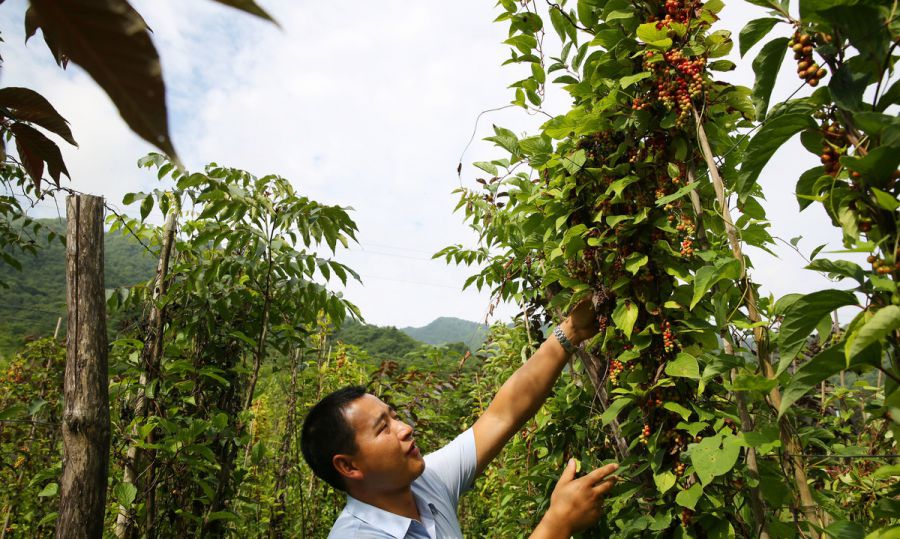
column 326, row 433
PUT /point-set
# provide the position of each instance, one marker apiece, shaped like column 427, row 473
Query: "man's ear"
column 346, row 467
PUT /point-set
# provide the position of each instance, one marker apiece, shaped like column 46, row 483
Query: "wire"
column 404, row 281
column 379, row 246
column 392, row 255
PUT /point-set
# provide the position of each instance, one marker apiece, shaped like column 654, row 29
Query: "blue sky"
column 362, row 104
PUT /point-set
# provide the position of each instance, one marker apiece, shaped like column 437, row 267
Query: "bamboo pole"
column 150, row 358
column 791, row 445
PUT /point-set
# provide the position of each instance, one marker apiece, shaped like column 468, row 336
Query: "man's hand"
column 581, row 324
column 575, row 504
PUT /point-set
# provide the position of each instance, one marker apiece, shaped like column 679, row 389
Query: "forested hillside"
column 448, row 329
column 36, row 296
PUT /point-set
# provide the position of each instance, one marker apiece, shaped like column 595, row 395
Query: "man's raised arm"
column 525, row 391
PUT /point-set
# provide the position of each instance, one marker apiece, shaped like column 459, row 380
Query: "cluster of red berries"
column 669, row 340
column 687, row 248
column 835, row 141
column 615, row 368
column 679, row 469
column 678, row 80
column 14, row 374
column 807, row 68
column 645, row 434
column 882, row 267
column 686, row 225
column 639, row 104
column 686, row 515
column 676, row 11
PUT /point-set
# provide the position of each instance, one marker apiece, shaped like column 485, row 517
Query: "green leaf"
column 649, row 34
column 839, row 269
column 689, row 498
column 684, row 366
column 764, row 440
column 885, row 200
column 524, row 42
column 14, row 411
column 708, row 276
column 844, row 529
column 877, row 167
column 490, row 168
column 820, row 367
column 625, row 82
column 223, row 515
column 879, row 326
column 747, row 382
column 685, row 413
column 635, row 261
column 677, row 194
column 49, row 490
column 624, row 316
column 125, row 494
column 614, row 409
column 111, row 41
column 801, row 318
column 146, row 207
column 848, row 84
column 753, row 31
column 664, row 481
column 765, row 67
column 766, row 142
column 715, row 456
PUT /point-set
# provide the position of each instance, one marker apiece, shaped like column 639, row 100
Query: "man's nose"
column 404, row 431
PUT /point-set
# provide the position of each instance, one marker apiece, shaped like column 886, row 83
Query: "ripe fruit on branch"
column 807, row 69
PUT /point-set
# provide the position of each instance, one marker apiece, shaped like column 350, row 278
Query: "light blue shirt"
column 449, row 472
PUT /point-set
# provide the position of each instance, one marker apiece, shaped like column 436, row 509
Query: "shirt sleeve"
column 454, row 464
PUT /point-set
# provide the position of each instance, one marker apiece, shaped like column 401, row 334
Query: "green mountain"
column 449, row 330
column 388, row 342
column 36, row 296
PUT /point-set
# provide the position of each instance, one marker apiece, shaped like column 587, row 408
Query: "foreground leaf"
column 766, row 142
column 27, row 105
column 802, row 317
column 882, row 323
column 765, row 67
column 110, row 40
column 249, row 6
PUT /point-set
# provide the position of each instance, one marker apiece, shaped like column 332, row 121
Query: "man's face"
column 387, row 453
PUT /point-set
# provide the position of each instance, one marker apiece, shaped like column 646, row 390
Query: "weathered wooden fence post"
column 85, row 420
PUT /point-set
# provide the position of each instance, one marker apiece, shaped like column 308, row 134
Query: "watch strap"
column 567, row 345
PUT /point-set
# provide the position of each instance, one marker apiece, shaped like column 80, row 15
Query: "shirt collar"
column 394, row 525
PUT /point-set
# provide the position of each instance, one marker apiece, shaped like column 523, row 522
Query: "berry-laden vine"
column 629, row 201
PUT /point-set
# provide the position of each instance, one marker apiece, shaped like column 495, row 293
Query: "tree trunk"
column 85, row 421
column 150, row 357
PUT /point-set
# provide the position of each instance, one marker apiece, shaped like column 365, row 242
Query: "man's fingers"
column 568, row 473
column 606, row 485
column 597, row 475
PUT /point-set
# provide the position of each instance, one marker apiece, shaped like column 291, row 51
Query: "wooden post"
column 85, row 419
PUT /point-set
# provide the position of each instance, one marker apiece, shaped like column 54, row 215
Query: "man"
column 356, row 443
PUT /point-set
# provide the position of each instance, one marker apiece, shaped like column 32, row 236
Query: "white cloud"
column 359, row 103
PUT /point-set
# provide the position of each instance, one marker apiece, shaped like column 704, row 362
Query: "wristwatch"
column 567, row 345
